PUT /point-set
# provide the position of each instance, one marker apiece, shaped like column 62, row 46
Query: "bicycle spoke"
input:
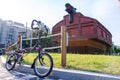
column 10, row 62
column 43, row 65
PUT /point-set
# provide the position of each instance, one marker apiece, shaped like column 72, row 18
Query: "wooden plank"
column 63, row 46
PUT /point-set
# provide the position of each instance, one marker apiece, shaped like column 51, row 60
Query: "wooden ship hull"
column 86, row 35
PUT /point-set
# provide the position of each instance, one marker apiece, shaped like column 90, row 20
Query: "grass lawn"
column 94, row 63
column 87, row 62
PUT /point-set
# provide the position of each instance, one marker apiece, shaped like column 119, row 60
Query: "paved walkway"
column 5, row 75
column 13, row 75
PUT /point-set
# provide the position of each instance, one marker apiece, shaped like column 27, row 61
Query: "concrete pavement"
column 5, row 75
column 13, row 75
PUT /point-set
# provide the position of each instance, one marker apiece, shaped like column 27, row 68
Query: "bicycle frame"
column 38, row 44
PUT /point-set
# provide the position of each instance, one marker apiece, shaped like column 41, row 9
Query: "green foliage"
column 116, row 49
column 46, row 42
column 87, row 62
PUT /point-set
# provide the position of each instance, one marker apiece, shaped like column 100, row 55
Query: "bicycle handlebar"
column 38, row 23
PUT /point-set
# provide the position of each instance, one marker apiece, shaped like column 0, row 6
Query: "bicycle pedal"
column 21, row 64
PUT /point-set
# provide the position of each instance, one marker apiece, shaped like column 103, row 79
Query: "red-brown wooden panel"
column 73, row 32
column 99, row 32
column 84, row 19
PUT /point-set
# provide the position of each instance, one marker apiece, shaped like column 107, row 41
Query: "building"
column 10, row 30
column 86, row 35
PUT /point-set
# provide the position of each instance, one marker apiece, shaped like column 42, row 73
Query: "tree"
column 116, row 49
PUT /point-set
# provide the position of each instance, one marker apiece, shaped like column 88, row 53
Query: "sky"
column 51, row 12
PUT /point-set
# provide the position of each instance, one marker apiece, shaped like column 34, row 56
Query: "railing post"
column 63, row 46
column 18, row 42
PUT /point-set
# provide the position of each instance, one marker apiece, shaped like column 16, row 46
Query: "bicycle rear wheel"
column 10, row 62
column 43, row 65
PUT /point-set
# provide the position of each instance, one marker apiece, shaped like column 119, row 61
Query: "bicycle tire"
column 40, row 67
column 10, row 62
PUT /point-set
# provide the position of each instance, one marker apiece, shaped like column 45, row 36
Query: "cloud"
column 106, row 11
column 101, row 8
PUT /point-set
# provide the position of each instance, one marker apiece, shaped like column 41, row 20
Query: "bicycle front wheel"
column 10, row 62
column 43, row 65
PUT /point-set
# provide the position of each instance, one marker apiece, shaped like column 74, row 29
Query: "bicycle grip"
column 32, row 24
